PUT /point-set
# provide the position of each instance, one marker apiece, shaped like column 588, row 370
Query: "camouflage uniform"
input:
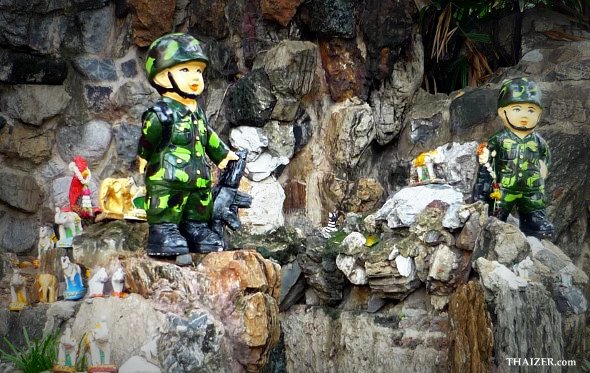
column 174, row 141
column 518, row 170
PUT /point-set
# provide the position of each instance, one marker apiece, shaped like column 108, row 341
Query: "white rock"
column 405, row 266
column 496, row 276
column 262, row 167
column 266, row 213
column 439, row 301
column 353, row 241
column 250, row 138
column 460, row 165
column 137, row 364
column 393, row 254
column 352, row 269
column 401, row 209
column 443, row 262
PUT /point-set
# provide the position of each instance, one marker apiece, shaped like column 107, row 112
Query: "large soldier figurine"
column 174, row 140
column 515, row 162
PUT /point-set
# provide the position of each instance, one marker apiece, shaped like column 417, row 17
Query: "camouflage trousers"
column 525, row 202
column 169, row 205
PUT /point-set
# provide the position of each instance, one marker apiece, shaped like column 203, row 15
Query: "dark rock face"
column 96, row 69
column 19, row 190
column 472, row 109
column 12, row 324
column 126, row 139
column 211, row 18
column 345, row 69
column 280, row 11
column 151, row 19
column 250, row 100
column 18, row 233
column 331, row 18
column 23, row 68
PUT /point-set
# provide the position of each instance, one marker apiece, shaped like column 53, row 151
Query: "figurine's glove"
column 231, row 156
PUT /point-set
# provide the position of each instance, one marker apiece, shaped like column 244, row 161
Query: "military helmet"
column 170, row 50
column 519, row 90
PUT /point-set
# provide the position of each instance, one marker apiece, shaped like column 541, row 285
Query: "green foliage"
column 81, row 363
column 36, row 356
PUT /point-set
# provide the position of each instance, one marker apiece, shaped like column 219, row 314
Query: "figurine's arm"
column 151, row 135
column 215, row 148
column 544, row 157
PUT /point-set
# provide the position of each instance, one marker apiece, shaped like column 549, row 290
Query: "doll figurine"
column 73, row 275
column 67, row 352
column 99, row 346
column 514, row 167
column 176, row 141
column 18, row 292
column 96, row 283
column 79, row 188
column 118, row 283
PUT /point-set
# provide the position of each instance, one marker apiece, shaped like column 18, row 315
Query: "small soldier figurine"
column 514, row 164
column 177, row 144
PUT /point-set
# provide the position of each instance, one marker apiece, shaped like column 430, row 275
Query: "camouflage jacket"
column 517, row 160
column 174, row 141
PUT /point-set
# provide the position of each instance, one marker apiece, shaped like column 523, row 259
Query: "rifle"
column 226, row 197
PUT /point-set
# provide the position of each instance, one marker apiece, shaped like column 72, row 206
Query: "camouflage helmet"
column 170, row 50
column 519, row 90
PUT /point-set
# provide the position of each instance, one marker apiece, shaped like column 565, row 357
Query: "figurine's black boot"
column 501, row 214
column 200, row 238
column 536, row 224
column 165, row 240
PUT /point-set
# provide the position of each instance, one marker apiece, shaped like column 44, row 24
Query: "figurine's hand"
column 231, row 156
column 544, row 170
column 141, row 164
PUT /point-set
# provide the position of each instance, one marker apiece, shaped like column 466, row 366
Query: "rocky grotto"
column 329, row 98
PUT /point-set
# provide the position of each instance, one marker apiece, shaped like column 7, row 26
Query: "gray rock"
column 194, row 343
column 401, row 209
column 23, row 68
column 290, row 273
column 47, row 101
column 41, row 33
column 473, row 227
column 376, row 303
column 59, row 313
column 90, row 140
column 392, row 101
column 18, row 233
column 473, row 108
column 460, row 165
column 290, row 66
column 302, row 131
column 129, row 68
column 251, row 138
column 449, row 267
column 495, row 276
column 97, row 97
column 264, row 165
column 13, row 324
column 502, row 242
column 427, row 123
column 250, row 101
column 96, row 27
column 138, row 364
column 135, row 97
column 126, row 139
column 96, row 69
column 570, row 301
column 20, row 190
column 285, row 109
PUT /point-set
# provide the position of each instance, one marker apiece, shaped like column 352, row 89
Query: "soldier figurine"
column 515, row 163
column 174, row 140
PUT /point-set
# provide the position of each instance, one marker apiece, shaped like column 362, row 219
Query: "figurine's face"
column 188, row 77
column 520, row 117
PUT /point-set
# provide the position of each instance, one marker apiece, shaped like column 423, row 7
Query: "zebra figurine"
column 328, row 230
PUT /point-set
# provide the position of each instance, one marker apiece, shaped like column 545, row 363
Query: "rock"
column 48, row 101
column 18, row 232
column 353, row 243
column 345, row 69
column 290, row 274
column 266, row 213
column 473, row 227
column 286, row 109
column 350, row 131
column 23, row 68
column 318, row 263
column 137, row 364
column 280, row 11
column 553, row 267
column 129, row 68
column 405, row 266
column 59, row 313
column 151, row 20
column 281, row 141
column 460, row 165
column 570, row 301
column 392, row 101
column 290, row 67
column 101, row 244
column 90, row 140
column 281, row 245
column 20, row 190
column 135, row 97
column 380, row 341
column 366, row 195
column 97, row 98
column 132, row 322
column 502, row 242
column 471, row 109
column 495, row 276
column 387, row 36
column 302, row 130
column 471, row 341
column 28, row 143
column 193, row 343
column 250, row 138
column 60, row 189
column 96, row 69
column 331, row 18
column 126, row 137
column 211, row 16
column 12, row 325
column 353, row 269
column 250, row 101
column 99, row 31
column 42, row 34
column 448, row 269
column 402, row 208
column 427, row 122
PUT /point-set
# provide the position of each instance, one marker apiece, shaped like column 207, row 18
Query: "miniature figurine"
column 70, row 225
column 424, row 167
column 47, row 287
column 46, row 240
column 329, row 230
column 96, row 283
column 99, row 345
column 67, row 353
column 73, row 275
column 80, row 201
column 121, row 199
column 118, row 282
column 519, row 158
column 175, row 141
column 18, row 292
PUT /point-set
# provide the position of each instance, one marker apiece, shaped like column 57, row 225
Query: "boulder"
column 32, row 144
column 48, row 101
column 266, row 212
column 279, row 11
column 502, row 242
column 250, row 101
column 290, row 66
column 449, row 268
column 90, row 140
column 331, row 18
column 345, row 69
column 18, row 232
column 151, row 20
column 20, row 190
column 250, row 138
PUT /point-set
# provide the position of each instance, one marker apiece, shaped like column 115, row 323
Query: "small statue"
column 67, row 353
column 121, row 198
column 70, row 225
column 47, row 287
column 175, row 141
column 329, row 230
column 96, row 283
column 73, row 275
column 18, row 292
column 513, row 169
column 118, row 282
column 80, row 201
column 100, row 349
column 46, row 240
column 423, row 167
